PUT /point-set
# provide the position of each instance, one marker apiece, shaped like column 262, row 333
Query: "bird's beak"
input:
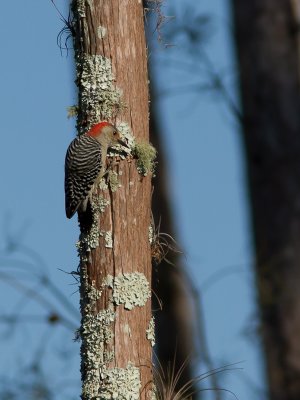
column 122, row 143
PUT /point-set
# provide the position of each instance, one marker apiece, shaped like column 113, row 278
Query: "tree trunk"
column 115, row 267
column 266, row 34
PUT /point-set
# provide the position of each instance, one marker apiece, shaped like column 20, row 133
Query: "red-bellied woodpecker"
column 86, row 164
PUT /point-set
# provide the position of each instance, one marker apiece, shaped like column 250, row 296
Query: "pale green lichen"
column 113, row 180
column 95, row 332
column 145, row 154
column 72, row 111
column 101, row 31
column 151, row 234
column 130, row 289
column 120, row 383
column 88, row 240
column 103, row 203
column 150, row 332
column 93, row 294
column 153, row 393
column 102, row 184
column 98, row 327
column 100, row 99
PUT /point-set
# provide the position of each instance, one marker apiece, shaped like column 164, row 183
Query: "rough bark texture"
column 267, row 35
column 115, row 350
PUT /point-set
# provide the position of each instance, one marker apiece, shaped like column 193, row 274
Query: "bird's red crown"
column 96, row 129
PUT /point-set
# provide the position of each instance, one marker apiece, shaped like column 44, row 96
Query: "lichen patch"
column 153, row 393
column 103, row 203
column 102, row 184
column 151, row 234
column 88, row 241
column 130, row 289
column 150, row 332
column 121, row 383
column 100, row 99
column 95, row 332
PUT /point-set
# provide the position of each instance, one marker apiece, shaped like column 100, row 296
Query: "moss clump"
column 145, row 154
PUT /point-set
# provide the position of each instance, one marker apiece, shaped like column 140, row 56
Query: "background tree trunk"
column 266, row 35
column 115, row 268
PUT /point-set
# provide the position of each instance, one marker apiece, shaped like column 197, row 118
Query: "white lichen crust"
column 121, row 383
column 99, row 98
column 102, row 184
column 150, row 332
column 103, row 203
column 153, row 393
column 96, row 332
column 151, row 233
column 130, row 289
column 88, row 240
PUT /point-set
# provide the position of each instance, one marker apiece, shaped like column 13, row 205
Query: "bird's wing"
column 82, row 166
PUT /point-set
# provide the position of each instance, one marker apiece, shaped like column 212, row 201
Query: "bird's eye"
column 115, row 133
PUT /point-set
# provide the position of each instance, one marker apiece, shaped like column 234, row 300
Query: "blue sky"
column 206, row 181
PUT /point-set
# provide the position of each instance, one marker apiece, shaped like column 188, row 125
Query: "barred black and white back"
column 82, row 167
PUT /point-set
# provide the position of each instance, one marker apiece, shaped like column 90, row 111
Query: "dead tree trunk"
column 266, row 34
column 115, row 260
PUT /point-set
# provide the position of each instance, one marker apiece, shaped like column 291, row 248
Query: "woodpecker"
column 85, row 164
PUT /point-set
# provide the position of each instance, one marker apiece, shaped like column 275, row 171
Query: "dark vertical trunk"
column 266, row 35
